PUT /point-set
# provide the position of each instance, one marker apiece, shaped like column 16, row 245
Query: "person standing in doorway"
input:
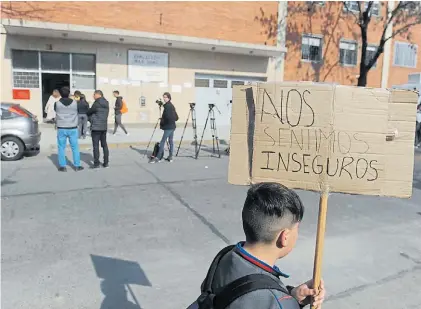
column 49, row 107
column 82, row 109
column 66, row 121
column 98, row 114
column 167, row 124
column 118, row 112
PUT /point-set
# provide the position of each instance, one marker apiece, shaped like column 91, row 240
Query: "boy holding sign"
column 244, row 276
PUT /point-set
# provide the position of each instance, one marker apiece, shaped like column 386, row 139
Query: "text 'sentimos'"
column 315, row 136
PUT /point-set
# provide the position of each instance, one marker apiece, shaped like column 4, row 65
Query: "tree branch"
column 357, row 18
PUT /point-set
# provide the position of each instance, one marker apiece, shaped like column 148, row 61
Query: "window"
column 405, row 55
column 6, row 114
column 236, row 83
column 370, row 52
column 220, row 83
column 25, row 59
column 201, row 83
column 83, row 71
column 83, row 63
column 375, row 8
column 82, row 81
column 311, row 48
column 348, row 53
column 351, row 6
column 55, row 61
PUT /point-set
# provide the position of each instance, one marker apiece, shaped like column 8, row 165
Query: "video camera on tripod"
column 159, row 102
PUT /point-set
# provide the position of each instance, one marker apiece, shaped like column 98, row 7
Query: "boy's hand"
column 304, row 292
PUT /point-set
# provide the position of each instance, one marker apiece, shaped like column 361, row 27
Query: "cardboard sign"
column 21, row 94
column 311, row 136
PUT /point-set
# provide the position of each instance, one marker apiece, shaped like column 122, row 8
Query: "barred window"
column 220, row 83
column 201, row 83
column 26, row 79
column 311, row 48
column 370, row 52
column 236, row 83
column 348, row 53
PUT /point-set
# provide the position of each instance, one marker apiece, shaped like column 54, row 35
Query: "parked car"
column 19, row 132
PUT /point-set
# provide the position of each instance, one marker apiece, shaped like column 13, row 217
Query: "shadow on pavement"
column 54, row 159
column 117, row 275
column 88, row 158
column 209, row 149
column 142, row 151
column 7, row 182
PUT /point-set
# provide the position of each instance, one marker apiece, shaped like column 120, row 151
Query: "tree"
column 397, row 21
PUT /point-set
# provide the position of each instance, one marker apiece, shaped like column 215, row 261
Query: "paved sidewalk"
column 139, row 135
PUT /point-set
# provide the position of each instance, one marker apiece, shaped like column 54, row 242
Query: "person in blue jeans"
column 167, row 124
column 67, row 129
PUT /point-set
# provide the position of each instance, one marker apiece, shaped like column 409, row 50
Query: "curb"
column 125, row 145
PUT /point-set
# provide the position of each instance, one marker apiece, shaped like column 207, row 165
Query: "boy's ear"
column 282, row 239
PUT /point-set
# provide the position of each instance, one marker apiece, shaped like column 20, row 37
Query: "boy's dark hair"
column 116, row 92
column 99, row 92
column 269, row 208
column 168, row 95
column 65, row 92
column 77, row 93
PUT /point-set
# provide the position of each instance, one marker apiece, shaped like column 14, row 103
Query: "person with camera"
column 167, row 124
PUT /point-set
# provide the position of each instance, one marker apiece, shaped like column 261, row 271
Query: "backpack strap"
column 207, row 283
column 243, row 286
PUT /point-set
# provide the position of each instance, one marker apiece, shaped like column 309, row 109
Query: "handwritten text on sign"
column 296, row 142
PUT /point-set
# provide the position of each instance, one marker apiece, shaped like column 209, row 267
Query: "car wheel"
column 11, row 148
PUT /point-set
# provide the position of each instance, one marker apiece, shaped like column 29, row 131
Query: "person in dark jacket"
column 82, row 109
column 98, row 114
column 167, row 124
column 117, row 112
column 271, row 216
column 66, row 122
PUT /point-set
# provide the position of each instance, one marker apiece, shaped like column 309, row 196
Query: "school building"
column 195, row 50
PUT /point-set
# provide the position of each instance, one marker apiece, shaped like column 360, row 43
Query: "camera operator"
column 167, row 124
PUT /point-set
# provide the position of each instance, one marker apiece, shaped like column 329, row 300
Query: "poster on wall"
column 148, row 66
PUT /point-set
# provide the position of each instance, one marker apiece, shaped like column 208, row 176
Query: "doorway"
column 51, row 81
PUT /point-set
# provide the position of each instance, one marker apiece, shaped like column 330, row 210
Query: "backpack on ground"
column 156, row 151
column 124, row 108
column 229, row 293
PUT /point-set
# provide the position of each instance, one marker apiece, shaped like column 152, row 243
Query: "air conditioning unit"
column 414, row 78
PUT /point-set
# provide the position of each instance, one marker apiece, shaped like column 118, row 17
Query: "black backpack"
column 224, row 297
column 155, row 152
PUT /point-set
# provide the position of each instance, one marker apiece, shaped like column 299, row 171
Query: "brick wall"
column 249, row 22
column 332, row 24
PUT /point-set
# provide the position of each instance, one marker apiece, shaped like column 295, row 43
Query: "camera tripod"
column 192, row 114
column 215, row 140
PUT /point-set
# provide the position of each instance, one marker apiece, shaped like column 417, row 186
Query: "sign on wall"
column 148, row 67
column 310, row 136
column 21, row 94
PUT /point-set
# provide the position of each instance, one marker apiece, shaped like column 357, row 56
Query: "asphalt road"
column 142, row 236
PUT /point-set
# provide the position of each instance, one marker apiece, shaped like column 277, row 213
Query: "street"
column 138, row 235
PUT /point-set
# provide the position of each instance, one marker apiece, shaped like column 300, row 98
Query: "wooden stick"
column 320, row 240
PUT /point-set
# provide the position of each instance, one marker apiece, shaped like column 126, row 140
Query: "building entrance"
column 51, row 81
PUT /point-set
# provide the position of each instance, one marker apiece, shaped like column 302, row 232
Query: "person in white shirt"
column 49, row 107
